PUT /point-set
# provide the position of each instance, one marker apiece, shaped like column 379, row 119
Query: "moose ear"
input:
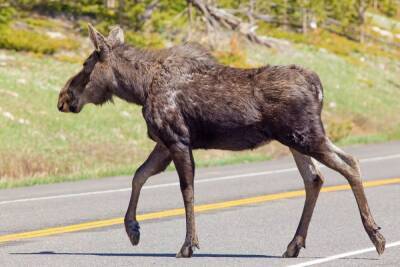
column 98, row 40
column 116, row 36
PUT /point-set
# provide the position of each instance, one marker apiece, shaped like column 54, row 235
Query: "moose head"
column 95, row 81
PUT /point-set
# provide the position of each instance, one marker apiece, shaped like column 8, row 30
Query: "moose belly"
column 240, row 138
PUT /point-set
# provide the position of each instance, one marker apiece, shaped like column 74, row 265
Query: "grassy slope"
column 112, row 140
column 54, row 143
column 53, row 146
column 363, row 93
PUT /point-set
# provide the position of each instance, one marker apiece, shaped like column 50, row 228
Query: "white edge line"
column 342, row 255
column 207, row 180
column 230, row 177
column 394, row 156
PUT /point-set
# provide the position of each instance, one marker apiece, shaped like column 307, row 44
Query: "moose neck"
column 134, row 71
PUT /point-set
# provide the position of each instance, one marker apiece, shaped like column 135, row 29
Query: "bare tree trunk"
column 216, row 17
column 120, row 14
column 362, row 8
column 109, row 3
column 190, row 17
column 375, row 4
column 148, row 12
column 251, row 12
column 362, row 34
column 304, row 12
column 285, row 15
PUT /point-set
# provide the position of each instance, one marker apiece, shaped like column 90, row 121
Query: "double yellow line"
column 178, row 212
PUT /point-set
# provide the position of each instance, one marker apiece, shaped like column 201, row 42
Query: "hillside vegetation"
column 44, row 42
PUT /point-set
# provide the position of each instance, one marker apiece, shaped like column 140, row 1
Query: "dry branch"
column 148, row 12
column 216, row 17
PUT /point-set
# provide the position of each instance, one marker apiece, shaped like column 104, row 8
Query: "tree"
column 361, row 7
column 387, row 7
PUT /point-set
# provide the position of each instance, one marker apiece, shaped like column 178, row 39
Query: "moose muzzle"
column 65, row 103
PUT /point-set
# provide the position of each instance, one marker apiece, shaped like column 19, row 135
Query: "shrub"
column 337, row 44
column 38, row 22
column 69, row 58
column 144, row 40
column 24, row 40
column 235, row 57
column 6, row 14
column 338, row 130
column 103, row 26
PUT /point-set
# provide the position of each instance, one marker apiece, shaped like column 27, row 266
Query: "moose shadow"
column 160, row 255
column 173, row 255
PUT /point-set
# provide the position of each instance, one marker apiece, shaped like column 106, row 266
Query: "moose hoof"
column 185, row 252
column 291, row 253
column 132, row 229
column 293, row 248
column 187, row 249
column 379, row 241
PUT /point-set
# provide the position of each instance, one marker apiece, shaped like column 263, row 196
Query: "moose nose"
column 60, row 106
column 73, row 108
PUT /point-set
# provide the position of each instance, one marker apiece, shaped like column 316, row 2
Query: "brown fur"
column 190, row 101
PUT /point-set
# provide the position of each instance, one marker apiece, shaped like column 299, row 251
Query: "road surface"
column 246, row 215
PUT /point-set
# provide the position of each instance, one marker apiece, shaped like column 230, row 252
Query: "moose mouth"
column 64, row 107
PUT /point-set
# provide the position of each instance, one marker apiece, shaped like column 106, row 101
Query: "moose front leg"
column 184, row 163
column 158, row 160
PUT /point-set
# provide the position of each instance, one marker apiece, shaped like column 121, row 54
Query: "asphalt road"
column 251, row 226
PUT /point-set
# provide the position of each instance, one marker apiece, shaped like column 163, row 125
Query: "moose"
column 190, row 101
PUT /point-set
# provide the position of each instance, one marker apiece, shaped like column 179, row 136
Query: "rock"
column 4, row 57
column 21, row 81
column 8, row 115
column 125, row 114
column 10, row 93
column 23, row 121
column 382, row 32
column 313, row 25
column 55, row 35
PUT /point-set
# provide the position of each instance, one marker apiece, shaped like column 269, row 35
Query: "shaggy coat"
column 190, row 101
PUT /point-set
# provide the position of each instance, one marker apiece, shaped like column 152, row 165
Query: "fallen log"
column 217, row 17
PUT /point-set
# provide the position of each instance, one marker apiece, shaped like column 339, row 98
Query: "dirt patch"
column 77, row 158
column 16, row 165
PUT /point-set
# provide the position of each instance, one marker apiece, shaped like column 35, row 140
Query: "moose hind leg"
column 184, row 163
column 337, row 159
column 158, row 160
column 313, row 181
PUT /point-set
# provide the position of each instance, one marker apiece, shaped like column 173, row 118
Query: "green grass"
column 27, row 40
column 128, row 169
column 38, row 144
column 54, row 144
column 363, row 93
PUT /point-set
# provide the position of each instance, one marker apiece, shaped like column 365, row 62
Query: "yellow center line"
column 178, row 212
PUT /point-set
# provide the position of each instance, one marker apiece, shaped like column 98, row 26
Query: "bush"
column 235, row 57
column 6, row 14
column 89, row 8
column 338, row 130
column 337, row 44
column 103, row 27
column 38, row 22
column 144, row 40
column 24, row 40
